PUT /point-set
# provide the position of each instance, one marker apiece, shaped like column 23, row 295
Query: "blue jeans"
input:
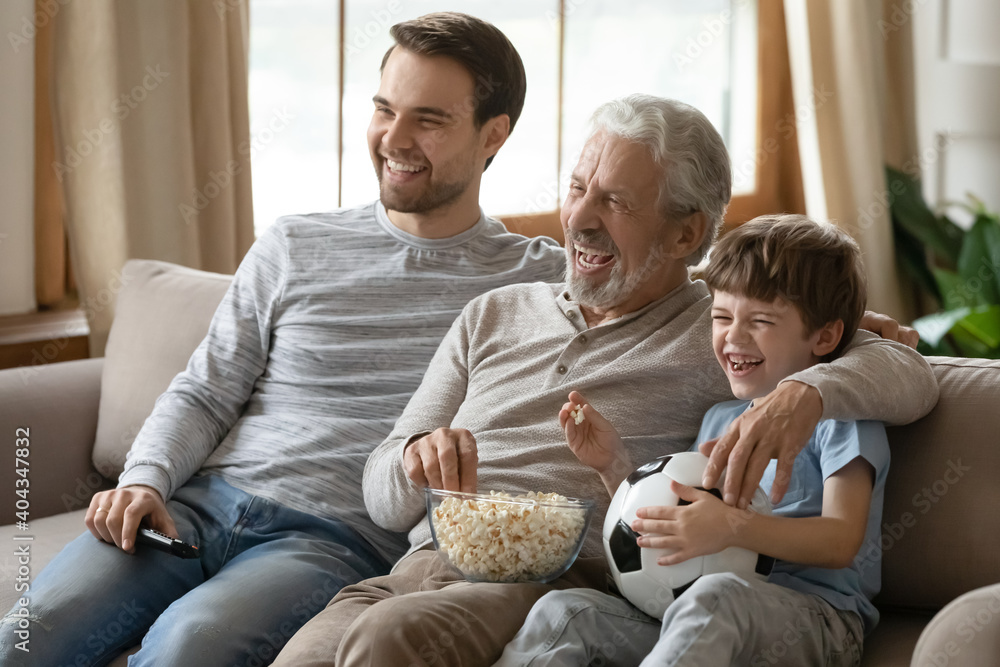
column 264, row 571
column 722, row 619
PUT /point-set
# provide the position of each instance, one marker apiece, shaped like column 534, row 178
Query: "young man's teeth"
column 399, row 166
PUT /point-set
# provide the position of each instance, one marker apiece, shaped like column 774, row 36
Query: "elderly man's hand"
column 777, row 426
column 443, row 459
column 888, row 328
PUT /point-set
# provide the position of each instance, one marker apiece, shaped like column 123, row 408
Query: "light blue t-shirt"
column 833, row 445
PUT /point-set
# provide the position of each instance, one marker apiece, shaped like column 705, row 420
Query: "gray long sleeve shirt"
column 506, row 366
column 325, row 333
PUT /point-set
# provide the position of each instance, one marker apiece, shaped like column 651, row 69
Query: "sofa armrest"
column 964, row 633
column 57, row 403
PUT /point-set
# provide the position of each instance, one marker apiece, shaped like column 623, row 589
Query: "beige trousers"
column 424, row 613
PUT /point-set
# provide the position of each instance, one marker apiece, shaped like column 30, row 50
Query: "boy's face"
column 760, row 343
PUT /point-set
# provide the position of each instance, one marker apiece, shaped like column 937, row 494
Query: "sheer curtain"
column 852, row 76
column 151, row 125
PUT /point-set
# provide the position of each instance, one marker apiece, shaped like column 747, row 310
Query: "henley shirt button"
column 583, row 339
column 571, row 314
column 561, row 369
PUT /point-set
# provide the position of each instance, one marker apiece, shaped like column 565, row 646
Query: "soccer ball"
column 652, row 587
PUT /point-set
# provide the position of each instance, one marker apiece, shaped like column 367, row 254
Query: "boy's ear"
column 827, row 338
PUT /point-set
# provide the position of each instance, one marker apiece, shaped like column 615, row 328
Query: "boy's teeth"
column 743, row 364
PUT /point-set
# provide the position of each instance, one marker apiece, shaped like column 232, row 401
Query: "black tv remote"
column 156, row 540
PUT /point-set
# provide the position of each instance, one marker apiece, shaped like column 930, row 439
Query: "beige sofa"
column 941, row 519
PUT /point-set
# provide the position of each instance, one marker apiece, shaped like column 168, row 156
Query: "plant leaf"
column 979, row 262
column 952, row 289
column 932, row 328
column 912, row 213
column 912, row 257
column 984, row 324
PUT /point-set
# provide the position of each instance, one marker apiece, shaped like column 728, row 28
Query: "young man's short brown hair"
column 815, row 267
column 481, row 48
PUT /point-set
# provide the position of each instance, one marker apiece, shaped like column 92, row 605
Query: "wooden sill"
column 43, row 337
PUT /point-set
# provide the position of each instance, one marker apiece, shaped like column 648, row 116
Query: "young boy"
column 787, row 294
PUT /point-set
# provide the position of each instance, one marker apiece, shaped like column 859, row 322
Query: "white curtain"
column 852, row 77
column 151, row 124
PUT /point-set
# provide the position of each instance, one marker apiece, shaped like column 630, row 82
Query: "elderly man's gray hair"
column 697, row 175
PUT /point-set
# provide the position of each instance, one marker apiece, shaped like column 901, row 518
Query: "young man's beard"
column 432, row 198
column 436, row 194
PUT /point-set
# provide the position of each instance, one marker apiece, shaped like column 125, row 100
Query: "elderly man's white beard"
column 617, row 288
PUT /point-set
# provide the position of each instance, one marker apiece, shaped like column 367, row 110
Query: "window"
column 314, row 67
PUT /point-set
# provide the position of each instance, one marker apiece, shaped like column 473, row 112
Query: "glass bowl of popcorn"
column 506, row 538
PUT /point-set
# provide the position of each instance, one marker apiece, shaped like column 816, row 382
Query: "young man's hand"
column 443, row 459
column 706, row 526
column 595, row 442
column 114, row 516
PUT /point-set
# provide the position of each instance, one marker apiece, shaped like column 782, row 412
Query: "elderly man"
column 629, row 330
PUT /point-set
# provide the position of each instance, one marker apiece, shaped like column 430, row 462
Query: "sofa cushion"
column 940, row 523
column 162, row 314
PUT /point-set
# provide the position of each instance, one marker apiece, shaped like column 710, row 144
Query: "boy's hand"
column 706, row 526
column 778, row 426
column 594, row 440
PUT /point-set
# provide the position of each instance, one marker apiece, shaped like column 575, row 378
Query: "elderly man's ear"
column 688, row 234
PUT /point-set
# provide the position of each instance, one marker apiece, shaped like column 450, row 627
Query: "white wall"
column 17, row 156
column 958, row 96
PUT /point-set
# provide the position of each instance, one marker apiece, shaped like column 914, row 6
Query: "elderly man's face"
column 618, row 244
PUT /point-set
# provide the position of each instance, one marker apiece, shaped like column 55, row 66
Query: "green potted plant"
column 958, row 268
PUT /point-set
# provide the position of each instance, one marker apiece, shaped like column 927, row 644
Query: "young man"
column 628, row 328
column 255, row 453
column 787, row 294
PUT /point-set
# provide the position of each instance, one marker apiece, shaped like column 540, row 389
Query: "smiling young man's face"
column 426, row 149
column 760, row 343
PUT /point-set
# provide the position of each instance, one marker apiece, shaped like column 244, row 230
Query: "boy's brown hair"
column 478, row 46
column 815, row 267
